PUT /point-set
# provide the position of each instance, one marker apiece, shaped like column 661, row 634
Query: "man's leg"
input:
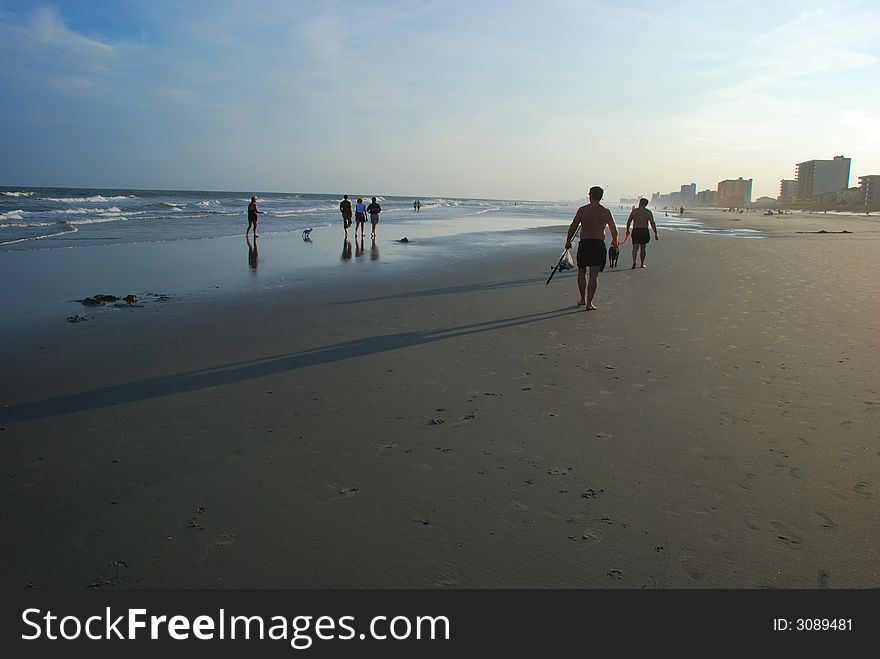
column 582, row 285
column 644, row 250
column 635, row 253
column 591, row 286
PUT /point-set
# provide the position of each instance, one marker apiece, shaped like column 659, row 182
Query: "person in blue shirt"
column 360, row 216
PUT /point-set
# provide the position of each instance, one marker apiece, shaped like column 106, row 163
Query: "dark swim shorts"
column 591, row 251
column 641, row 236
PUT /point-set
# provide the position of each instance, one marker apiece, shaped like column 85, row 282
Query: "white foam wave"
column 211, row 202
column 96, row 199
column 295, row 212
column 28, row 225
column 98, row 220
column 48, row 235
column 18, row 194
column 12, row 215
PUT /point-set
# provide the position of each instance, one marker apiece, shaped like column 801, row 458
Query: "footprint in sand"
column 224, row 539
column 860, row 488
column 340, row 491
column 448, row 579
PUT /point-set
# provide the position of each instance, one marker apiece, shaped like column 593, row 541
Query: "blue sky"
column 530, row 100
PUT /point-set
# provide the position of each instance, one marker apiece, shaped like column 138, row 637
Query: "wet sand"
column 460, row 424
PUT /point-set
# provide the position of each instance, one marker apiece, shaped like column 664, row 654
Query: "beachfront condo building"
column 869, row 190
column 688, row 194
column 818, row 177
column 788, row 189
column 734, row 193
column 707, row 198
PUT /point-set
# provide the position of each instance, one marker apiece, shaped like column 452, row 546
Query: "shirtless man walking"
column 640, row 218
column 592, row 218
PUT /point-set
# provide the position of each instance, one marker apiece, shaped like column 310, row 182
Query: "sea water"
column 40, row 218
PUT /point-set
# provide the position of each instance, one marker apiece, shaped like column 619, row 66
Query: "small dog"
column 306, row 233
column 613, row 253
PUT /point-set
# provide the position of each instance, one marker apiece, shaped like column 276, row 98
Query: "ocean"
column 41, row 218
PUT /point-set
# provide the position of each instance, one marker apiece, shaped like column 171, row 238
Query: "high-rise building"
column 818, row 177
column 688, row 193
column 706, row 198
column 734, row 193
column 787, row 190
column 869, row 190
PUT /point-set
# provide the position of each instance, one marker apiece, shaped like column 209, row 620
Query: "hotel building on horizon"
column 734, row 193
column 788, row 190
column 869, row 190
column 819, row 177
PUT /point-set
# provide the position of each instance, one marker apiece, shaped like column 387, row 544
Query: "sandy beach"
column 457, row 423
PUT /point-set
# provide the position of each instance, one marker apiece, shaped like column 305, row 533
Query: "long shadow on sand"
column 257, row 368
column 451, row 290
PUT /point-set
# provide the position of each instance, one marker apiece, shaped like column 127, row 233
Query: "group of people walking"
column 592, row 253
column 360, row 215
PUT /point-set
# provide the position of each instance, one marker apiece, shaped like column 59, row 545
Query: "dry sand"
column 713, row 425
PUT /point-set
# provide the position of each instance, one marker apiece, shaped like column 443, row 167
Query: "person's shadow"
column 374, row 250
column 358, row 246
column 346, row 249
column 253, row 254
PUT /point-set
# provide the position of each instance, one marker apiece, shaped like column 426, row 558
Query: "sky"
column 473, row 98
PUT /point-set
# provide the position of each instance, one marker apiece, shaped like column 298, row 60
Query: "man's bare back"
column 641, row 218
column 593, row 218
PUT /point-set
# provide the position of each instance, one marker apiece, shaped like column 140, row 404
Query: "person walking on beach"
column 640, row 218
column 591, row 253
column 253, row 212
column 374, row 209
column 360, row 217
column 345, row 209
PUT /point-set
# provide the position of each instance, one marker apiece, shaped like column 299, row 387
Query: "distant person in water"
column 415, row 206
column 591, row 253
column 681, row 212
column 253, row 212
column 360, row 217
column 374, row 209
column 345, row 209
column 418, row 205
column 640, row 219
